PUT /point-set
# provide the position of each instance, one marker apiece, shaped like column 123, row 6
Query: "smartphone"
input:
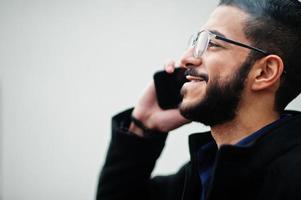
column 168, row 87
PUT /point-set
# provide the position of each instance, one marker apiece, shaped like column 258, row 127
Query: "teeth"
column 194, row 78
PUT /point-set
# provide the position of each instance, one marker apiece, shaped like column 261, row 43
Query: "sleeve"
column 126, row 174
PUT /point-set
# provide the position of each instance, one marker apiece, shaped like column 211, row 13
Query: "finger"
column 169, row 66
column 171, row 119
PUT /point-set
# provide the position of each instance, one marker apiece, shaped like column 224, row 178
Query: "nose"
column 188, row 60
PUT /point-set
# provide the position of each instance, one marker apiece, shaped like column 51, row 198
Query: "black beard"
column 221, row 99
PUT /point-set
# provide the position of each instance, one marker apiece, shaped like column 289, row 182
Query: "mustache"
column 193, row 72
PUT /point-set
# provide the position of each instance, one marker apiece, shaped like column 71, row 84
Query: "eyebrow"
column 216, row 32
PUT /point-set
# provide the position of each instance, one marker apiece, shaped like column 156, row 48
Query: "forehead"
column 229, row 21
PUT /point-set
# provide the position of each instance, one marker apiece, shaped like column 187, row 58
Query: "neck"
column 243, row 125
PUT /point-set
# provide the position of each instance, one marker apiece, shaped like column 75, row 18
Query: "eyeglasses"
column 201, row 40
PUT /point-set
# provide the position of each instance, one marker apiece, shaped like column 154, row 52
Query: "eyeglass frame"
column 218, row 37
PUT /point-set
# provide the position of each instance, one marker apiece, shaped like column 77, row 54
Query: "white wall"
column 65, row 68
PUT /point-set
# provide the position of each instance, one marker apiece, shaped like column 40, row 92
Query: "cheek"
column 228, row 60
column 220, row 69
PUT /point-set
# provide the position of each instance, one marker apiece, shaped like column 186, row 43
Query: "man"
column 243, row 68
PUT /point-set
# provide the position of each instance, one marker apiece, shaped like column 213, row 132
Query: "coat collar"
column 235, row 164
column 283, row 136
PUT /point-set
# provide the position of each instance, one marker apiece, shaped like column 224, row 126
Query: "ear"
column 267, row 72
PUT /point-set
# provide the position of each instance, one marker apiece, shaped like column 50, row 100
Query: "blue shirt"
column 206, row 154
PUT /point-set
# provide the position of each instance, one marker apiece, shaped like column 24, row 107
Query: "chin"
column 191, row 99
column 189, row 103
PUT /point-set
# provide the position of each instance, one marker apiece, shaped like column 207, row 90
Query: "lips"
column 195, row 78
column 193, row 75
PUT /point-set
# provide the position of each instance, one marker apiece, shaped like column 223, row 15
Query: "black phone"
column 168, row 87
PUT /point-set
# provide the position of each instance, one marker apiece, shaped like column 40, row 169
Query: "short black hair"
column 275, row 26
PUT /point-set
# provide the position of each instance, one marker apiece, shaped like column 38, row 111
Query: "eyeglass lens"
column 201, row 43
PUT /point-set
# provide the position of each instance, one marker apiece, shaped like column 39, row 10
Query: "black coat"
column 268, row 169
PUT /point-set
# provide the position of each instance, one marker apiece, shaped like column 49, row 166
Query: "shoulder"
column 284, row 172
column 282, row 179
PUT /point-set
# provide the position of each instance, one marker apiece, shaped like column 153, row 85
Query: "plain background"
column 66, row 67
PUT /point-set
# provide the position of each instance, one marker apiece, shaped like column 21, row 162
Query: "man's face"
column 224, row 67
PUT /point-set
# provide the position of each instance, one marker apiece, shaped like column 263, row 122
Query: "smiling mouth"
column 192, row 75
column 194, row 78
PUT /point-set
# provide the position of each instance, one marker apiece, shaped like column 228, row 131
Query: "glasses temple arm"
column 241, row 44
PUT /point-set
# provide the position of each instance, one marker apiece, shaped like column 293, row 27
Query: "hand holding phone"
column 157, row 107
